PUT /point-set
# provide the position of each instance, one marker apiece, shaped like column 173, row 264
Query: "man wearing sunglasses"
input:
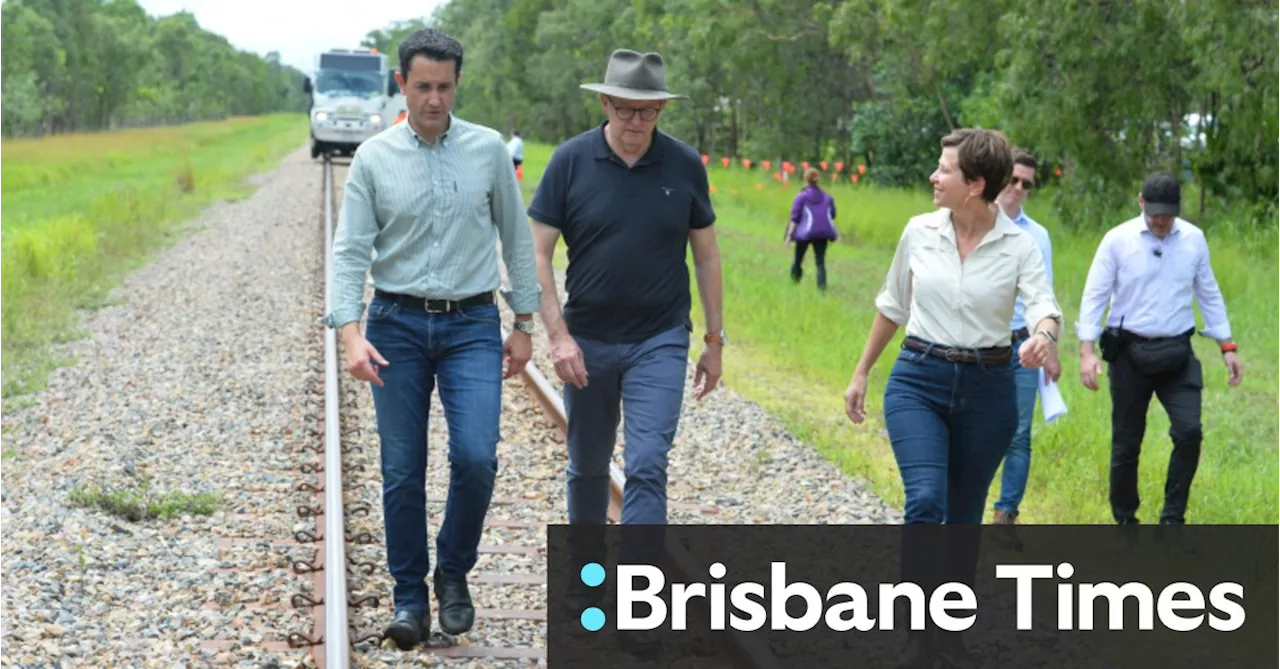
column 1017, row 461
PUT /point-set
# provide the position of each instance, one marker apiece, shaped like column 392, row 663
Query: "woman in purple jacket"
column 813, row 221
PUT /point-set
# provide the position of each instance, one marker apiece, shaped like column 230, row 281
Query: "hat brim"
column 633, row 93
column 1160, row 208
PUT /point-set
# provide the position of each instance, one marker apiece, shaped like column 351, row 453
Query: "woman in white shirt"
column 949, row 404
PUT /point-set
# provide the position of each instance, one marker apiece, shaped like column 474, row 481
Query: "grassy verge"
column 786, row 336
column 82, row 210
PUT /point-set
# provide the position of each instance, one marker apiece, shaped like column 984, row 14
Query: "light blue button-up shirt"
column 433, row 212
column 1046, row 251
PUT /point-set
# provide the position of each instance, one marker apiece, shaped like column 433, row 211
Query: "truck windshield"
column 358, row 84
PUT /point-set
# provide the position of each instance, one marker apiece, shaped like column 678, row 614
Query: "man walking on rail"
column 429, row 195
column 630, row 201
column 1017, row 461
column 1149, row 269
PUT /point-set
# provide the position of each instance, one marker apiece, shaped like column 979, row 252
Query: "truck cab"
column 354, row 96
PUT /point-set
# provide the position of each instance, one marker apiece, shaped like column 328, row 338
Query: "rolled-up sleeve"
column 1212, row 306
column 352, row 245
column 517, row 238
column 1098, row 285
column 894, row 299
column 1034, row 288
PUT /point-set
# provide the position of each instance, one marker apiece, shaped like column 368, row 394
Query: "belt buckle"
column 953, row 355
column 448, row 307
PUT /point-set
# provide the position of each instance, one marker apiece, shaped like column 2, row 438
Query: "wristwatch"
column 1228, row 347
column 717, row 338
column 525, row 326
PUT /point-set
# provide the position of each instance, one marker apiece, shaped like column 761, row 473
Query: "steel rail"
column 336, row 640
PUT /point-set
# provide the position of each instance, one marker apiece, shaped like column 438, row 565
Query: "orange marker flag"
column 853, row 178
column 823, row 165
column 765, row 165
column 862, row 169
column 705, row 159
column 713, row 190
column 778, row 176
column 788, row 167
column 804, row 165
column 840, row 167
column 746, row 163
column 725, row 161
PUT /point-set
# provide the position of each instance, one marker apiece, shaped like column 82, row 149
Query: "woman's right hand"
column 854, row 397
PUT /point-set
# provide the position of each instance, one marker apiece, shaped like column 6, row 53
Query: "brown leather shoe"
column 1003, row 518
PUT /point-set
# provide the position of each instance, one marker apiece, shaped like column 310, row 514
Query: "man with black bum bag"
column 1150, row 268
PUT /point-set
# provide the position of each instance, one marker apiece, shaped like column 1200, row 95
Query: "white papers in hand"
column 1051, row 399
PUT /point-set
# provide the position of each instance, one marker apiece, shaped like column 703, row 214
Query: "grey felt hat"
column 632, row 75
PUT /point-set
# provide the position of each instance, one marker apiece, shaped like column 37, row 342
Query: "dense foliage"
column 77, row 65
column 1104, row 91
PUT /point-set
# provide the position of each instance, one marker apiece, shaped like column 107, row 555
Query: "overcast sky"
column 298, row 29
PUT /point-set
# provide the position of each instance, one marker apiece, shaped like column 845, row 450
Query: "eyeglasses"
column 627, row 113
column 1026, row 184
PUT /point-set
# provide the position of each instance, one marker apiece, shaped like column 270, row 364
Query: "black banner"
column 804, row 597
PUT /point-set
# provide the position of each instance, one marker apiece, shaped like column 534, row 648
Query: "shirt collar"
column 441, row 139
column 602, row 150
column 941, row 221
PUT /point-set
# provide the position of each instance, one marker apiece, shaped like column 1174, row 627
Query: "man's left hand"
column 707, row 376
column 1234, row 367
column 516, row 352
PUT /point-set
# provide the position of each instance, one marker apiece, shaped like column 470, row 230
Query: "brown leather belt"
column 1021, row 333
column 995, row 355
column 435, row 306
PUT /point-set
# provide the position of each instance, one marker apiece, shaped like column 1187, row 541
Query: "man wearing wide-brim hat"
column 629, row 201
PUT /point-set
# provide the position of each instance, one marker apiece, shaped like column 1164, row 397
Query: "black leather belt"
column 1133, row 336
column 434, row 306
column 994, row 355
column 1021, row 333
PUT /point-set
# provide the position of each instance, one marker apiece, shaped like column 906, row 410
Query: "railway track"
column 351, row 605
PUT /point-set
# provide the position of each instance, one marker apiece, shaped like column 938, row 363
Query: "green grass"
column 790, row 336
column 82, row 210
column 142, row 502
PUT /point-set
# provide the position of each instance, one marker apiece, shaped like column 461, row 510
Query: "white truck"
column 354, row 96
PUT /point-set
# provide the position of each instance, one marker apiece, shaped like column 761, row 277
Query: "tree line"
column 81, row 65
column 1102, row 91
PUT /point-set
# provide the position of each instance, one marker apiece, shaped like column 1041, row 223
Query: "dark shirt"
column 627, row 233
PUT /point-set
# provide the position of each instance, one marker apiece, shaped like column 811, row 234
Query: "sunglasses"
column 627, row 113
column 1026, row 184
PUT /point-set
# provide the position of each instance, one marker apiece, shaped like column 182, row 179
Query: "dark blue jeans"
column 646, row 380
column 1017, row 461
column 462, row 351
column 950, row 424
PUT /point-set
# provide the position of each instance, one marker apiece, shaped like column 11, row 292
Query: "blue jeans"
column 647, row 379
column 1017, row 461
column 462, row 351
column 949, row 424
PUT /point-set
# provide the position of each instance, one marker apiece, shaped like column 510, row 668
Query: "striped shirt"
column 432, row 213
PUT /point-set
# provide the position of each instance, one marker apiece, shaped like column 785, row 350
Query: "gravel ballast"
column 205, row 376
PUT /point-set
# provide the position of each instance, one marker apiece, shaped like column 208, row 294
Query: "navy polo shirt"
column 627, row 233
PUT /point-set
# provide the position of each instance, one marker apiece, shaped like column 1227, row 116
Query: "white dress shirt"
column 969, row 304
column 1150, row 283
